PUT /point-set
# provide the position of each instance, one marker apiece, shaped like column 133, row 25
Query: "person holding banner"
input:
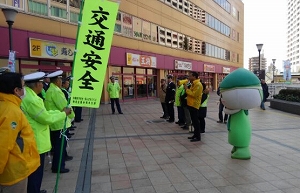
column 39, row 119
column 19, row 155
column 55, row 100
column 114, row 89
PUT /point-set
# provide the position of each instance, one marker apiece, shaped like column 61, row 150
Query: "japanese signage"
column 180, row 65
column 226, row 70
column 52, row 50
column 11, row 61
column 141, row 60
column 137, row 28
column 209, row 68
column 93, row 48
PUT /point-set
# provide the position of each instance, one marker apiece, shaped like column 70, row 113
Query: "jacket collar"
column 10, row 98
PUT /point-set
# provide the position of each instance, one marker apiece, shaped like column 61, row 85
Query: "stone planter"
column 286, row 106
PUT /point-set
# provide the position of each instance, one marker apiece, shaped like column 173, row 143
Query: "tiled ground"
column 139, row 152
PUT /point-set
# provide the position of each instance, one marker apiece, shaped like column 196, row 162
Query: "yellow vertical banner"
column 93, row 48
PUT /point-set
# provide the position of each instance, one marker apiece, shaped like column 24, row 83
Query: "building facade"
column 293, row 34
column 152, row 39
column 253, row 63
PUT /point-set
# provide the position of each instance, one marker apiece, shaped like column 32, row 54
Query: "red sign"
column 209, row 68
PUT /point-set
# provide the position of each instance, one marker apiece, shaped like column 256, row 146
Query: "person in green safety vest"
column 39, row 119
column 203, row 108
column 114, row 89
column 55, row 100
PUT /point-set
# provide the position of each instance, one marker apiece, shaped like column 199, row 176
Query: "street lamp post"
column 273, row 68
column 259, row 47
column 10, row 15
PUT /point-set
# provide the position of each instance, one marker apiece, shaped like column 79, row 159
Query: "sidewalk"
column 138, row 152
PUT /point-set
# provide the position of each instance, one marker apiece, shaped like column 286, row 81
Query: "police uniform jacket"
column 114, row 90
column 40, row 119
column 19, row 156
column 170, row 94
column 55, row 100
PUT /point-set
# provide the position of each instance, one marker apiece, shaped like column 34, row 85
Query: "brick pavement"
column 138, row 152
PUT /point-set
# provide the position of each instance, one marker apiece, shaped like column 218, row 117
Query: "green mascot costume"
column 240, row 91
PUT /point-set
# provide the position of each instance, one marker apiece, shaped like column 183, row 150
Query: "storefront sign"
column 180, row 65
column 52, row 50
column 226, row 70
column 93, row 47
column 209, row 68
column 141, row 60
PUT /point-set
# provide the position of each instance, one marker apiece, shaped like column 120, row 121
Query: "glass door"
column 141, row 85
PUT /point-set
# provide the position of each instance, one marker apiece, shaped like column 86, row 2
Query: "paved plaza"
column 138, row 152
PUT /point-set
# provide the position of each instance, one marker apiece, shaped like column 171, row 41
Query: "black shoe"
column 219, row 121
column 170, row 121
column 162, row 117
column 78, row 121
column 191, row 137
column 71, row 133
column 202, row 131
column 195, row 139
column 185, row 127
column 68, row 158
column 225, row 122
column 181, row 124
column 43, row 191
column 113, row 113
column 121, row 113
column 177, row 122
column 65, row 170
column 71, row 129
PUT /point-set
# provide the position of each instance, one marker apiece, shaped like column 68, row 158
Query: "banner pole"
column 68, row 103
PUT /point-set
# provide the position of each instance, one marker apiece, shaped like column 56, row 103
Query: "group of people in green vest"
column 191, row 97
column 29, row 128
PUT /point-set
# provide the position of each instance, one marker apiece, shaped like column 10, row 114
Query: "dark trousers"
column 180, row 114
column 195, row 122
column 56, row 142
column 221, row 107
column 171, row 111
column 78, row 111
column 202, row 124
column 165, row 110
column 112, row 103
column 35, row 179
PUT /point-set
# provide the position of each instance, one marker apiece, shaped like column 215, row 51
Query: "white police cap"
column 34, row 77
column 55, row 74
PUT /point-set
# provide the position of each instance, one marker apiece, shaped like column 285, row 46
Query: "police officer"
column 55, row 100
column 39, row 119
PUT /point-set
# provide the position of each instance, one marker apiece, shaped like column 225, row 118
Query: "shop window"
column 168, row 38
column 151, row 71
column 153, row 33
column 116, row 70
column 127, row 29
column 140, row 71
column 161, row 35
column 128, row 70
column 174, row 39
column 48, row 63
column 38, row 7
column 63, row 64
column 30, row 62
